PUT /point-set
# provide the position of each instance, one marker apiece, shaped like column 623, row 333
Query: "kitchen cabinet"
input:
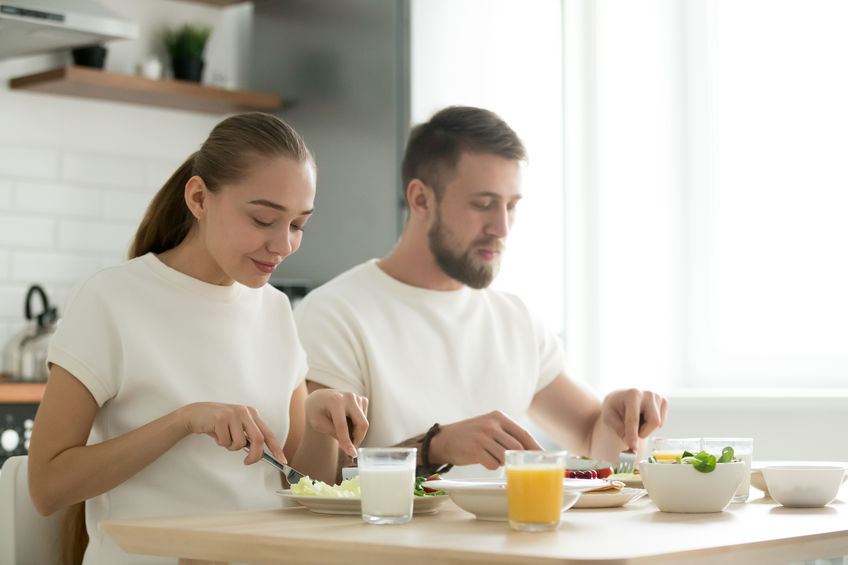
column 93, row 83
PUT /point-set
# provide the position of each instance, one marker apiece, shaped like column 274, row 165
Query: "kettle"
column 26, row 352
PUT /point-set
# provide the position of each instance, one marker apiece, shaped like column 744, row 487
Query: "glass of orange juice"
column 534, row 489
column 667, row 450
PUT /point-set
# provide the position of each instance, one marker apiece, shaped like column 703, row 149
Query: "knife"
column 293, row 476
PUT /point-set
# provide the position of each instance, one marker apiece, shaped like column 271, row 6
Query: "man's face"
column 474, row 216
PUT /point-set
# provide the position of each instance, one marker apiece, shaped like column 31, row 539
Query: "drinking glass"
column 534, row 489
column 743, row 449
column 670, row 448
column 387, row 483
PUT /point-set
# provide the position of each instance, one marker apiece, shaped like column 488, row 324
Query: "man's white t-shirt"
column 145, row 340
column 424, row 356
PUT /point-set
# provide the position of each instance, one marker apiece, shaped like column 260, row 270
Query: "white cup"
column 386, row 483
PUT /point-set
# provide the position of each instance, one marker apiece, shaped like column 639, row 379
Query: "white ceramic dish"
column 486, row 499
column 609, row 499
column 629, row 479
column 803, row 486
column 352, row 506
column 681, row 488
column 759, row 482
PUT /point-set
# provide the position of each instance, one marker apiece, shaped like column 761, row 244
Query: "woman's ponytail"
column 168, row 219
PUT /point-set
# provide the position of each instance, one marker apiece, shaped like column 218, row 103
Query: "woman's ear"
column 420, row 198
column 195, row 196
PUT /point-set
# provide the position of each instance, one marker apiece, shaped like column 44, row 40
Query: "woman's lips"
column 267, row 268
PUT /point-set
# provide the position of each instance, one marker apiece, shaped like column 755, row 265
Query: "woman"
column 188, row 340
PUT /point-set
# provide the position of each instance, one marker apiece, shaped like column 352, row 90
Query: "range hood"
column 40, row 26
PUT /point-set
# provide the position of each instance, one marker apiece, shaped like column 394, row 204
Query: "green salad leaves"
column 421, row 491
column 703, row 461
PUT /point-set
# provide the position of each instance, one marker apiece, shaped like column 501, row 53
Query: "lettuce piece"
column 347, row 489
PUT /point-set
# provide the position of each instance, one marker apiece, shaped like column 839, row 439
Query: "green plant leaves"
column 187, row 41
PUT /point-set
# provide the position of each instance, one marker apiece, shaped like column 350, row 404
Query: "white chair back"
column 26, row 537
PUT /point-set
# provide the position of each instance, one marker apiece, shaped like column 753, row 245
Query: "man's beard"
column 463, row 268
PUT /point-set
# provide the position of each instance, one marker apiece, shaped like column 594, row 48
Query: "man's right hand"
column 482, row 439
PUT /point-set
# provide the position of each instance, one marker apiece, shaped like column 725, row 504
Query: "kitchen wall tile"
column 25, row 231
column 29, row 162
column 5, row 195
column 91, row 236
column 58, row 294
column 130, row 206
column 52, row 198
column 6, row 334
column 12, row 298
column 159, row 172
column 52, row 267
column 5, row 261
column 107, row 170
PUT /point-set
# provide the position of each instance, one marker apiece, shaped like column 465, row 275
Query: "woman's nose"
column 282, row 245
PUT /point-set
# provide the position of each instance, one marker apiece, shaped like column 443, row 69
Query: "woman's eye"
column 260, row 223
column 295, row 227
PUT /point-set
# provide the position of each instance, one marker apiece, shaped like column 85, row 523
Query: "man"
column 448, row 364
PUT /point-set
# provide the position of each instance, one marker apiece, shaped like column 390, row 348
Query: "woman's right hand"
column 232, row 426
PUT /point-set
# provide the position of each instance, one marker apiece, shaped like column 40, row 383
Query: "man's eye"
column 260, row 223
column 482, row 205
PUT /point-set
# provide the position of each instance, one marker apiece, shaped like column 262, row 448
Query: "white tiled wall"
column 65, row 213
column 76, row 175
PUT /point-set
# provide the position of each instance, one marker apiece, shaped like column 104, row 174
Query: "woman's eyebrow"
column 276, row 206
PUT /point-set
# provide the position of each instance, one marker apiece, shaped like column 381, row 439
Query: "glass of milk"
column 743, row 449
column 387, row 483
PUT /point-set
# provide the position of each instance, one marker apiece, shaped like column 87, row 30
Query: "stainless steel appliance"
column 25, row 357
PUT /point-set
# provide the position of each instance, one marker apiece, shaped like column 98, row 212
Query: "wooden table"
column 759, row 531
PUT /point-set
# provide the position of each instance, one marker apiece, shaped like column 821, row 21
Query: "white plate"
column 609, row 499
column 486, row 499
column 351, row 506
column 568, row 485
column 629, row 479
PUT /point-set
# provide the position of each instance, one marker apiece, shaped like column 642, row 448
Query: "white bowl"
column 681, row 488
column 758, row 481
column 486, row 499
column 803, row 486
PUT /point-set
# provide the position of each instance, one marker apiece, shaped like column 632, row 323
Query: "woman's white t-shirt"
column 145, row 340
column 423, row 356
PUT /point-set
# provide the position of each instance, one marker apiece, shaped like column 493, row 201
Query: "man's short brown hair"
column 434, row 147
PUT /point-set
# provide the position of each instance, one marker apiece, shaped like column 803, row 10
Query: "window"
column 711, row 210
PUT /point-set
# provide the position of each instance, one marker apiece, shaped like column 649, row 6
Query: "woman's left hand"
column 340, row 415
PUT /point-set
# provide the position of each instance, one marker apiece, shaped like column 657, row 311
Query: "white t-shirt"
column 424, row 356
column 145, row 340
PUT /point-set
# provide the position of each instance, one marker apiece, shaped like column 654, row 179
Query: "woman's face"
column 250, row 226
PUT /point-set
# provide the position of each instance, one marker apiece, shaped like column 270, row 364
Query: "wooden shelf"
column 182, row 95
column 21, row 393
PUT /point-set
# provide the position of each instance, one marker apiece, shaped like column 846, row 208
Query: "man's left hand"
column 624, row 411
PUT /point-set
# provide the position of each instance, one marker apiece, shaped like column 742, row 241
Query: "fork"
column 626, row 462
column 627, row 459
column 293, row 476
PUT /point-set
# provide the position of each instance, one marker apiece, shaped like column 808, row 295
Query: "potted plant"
column 185, row 46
